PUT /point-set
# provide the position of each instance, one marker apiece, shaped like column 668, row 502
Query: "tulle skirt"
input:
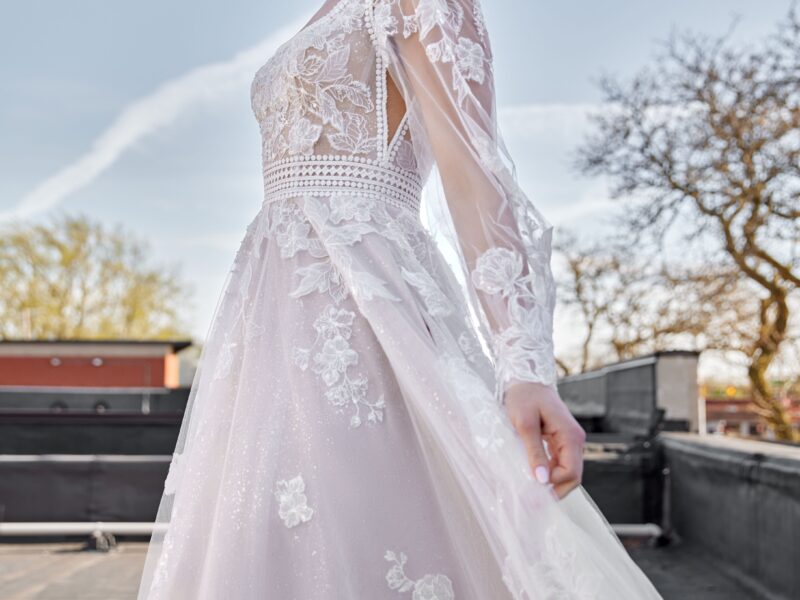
column 342, row 438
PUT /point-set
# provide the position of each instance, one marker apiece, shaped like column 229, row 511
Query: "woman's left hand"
column 539, row 415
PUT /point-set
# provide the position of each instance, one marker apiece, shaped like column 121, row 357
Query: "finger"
column 560, row 474
column 552, row 452
column 530, row 430
column 553, row 463
column 563, row 489
column 570, row 464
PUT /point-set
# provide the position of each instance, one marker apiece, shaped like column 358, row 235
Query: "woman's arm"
column 438, row 54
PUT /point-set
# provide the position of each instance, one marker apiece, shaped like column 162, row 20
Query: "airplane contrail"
column 147, row 115
column 170, row 100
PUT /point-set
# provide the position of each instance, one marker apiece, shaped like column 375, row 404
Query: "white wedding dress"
column 345, row 436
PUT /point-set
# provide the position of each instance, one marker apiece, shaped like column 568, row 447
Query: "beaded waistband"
column 325, row 175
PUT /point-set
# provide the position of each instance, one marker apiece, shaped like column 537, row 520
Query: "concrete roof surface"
column 59, row 571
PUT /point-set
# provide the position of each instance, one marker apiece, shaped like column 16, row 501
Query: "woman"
column 369, row 420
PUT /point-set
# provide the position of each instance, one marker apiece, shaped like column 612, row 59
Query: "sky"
column 138, row 113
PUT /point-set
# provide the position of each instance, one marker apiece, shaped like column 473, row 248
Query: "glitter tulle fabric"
column 345, row 436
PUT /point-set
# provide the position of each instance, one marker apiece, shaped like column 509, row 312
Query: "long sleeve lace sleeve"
column 438, row 54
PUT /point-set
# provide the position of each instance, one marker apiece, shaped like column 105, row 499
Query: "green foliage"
column 72, row 278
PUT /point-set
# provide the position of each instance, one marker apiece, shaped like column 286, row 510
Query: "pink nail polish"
column 542, row 474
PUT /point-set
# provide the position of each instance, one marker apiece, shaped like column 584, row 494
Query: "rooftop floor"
column 64, row 571
column 683, row 573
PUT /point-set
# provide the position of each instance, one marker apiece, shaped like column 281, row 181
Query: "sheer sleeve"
column 438, row 54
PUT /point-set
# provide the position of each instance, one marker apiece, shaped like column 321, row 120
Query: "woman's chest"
column 325, row 71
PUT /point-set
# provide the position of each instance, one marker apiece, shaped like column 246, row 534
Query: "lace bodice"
column 321, row 104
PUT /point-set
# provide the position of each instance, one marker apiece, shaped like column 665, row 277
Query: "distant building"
column 731, row 410
column 89, row 375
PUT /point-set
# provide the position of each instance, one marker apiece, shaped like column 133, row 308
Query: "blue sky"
column 138, row 113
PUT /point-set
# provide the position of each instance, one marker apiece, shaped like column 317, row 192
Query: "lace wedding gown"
column 345, row 436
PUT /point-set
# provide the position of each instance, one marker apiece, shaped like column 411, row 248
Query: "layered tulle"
column 280, row 489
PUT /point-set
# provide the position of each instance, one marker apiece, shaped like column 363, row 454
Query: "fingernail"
column 542, row 474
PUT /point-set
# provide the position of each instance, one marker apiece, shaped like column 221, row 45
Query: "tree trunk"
column 773, row 332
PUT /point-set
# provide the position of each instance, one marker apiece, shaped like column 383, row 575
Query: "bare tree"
column 708, row 142
column 72, row 278
column 588, row 288
column 630, row 305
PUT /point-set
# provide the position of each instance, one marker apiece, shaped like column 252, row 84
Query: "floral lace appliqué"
column 436, row 303
column 469, row 58
column 310, row 76
column 293, row 506
column 428, row 587
column 469, row 346
column 522, row 351
column 332, row 360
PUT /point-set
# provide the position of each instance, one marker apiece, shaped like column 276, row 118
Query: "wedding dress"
column 345, row 436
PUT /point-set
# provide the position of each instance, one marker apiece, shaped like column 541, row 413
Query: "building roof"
column 176, row 345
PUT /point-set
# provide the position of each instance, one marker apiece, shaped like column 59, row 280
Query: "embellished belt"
column 326, row 175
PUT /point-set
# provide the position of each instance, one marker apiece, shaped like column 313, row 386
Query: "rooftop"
column 176, row 345
column 50, row 571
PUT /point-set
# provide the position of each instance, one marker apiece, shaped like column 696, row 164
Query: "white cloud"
column 146, row 116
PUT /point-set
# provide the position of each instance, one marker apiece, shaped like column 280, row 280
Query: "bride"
column 375, row 414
